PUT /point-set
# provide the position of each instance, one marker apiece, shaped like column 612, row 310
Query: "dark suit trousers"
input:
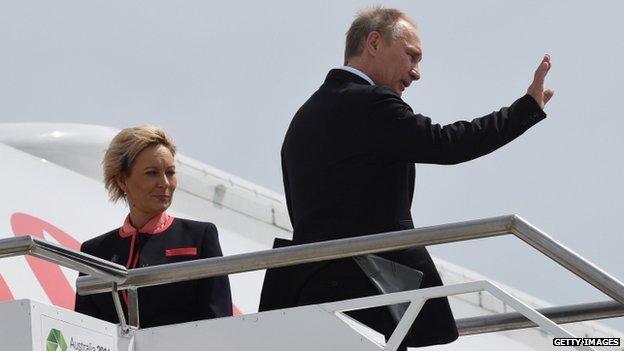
column 343, row 279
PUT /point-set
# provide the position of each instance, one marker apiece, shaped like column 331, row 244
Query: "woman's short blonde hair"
column 124, row 149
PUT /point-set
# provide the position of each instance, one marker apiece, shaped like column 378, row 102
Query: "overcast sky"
column 225, row 79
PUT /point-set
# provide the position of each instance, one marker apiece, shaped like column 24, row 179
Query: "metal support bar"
column 416, row 298
column 341, row 248
column 559, row 315
column 133, row 307
column 120, row 314
column 402, row 328
column 567, row 258
column 314, row 252
column 15, row 246
column 327, row 250
column 84, row 263
column 536, row 317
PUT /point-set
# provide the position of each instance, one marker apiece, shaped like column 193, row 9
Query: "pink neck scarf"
column 156, row 225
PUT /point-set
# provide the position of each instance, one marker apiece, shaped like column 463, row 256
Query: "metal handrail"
column 105, row 272
column 559, row 314
column 314, row 252
column 320, row 251
column 84, row 263
column 109, row 272
column 334, row 249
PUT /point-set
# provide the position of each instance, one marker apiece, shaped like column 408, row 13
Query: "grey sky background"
column 225, row 79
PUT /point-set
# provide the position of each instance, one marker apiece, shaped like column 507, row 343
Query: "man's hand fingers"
column 541, row 71
column 548, row 94
column 536, row 89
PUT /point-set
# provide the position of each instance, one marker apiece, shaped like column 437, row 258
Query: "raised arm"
column 397, row 132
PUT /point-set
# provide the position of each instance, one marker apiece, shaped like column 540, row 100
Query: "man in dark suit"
column 348, row 166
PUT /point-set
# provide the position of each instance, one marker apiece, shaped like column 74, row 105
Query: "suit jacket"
column 169, row 303
column 348, row 167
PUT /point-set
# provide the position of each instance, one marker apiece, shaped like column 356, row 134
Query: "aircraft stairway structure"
column 36, row 326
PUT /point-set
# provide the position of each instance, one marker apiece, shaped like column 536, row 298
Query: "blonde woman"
column 139, row 168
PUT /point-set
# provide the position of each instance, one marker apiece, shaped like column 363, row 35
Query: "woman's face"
column 150, row 185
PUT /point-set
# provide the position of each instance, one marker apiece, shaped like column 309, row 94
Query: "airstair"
column 33, row 326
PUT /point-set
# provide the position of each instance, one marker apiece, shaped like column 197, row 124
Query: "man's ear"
column 371, row 45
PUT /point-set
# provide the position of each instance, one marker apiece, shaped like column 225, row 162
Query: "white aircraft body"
column 52, row 189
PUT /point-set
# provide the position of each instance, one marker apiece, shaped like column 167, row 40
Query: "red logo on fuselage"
column 54, row 283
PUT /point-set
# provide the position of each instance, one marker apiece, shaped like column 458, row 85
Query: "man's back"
column 348, row 165
column 348, row 156
column 337, row 184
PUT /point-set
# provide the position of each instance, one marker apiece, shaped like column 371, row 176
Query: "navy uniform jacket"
column 171, row 303
column 348, row 167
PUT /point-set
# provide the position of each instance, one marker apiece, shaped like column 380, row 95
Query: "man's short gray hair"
column 376, row 19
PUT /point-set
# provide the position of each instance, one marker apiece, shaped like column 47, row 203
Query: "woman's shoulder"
column 202, row 234
column 99, row 241
column 195, row 226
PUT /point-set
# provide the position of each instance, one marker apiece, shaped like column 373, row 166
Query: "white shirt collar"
column 358, row 73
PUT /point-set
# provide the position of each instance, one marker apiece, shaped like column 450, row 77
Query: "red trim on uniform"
column 181, row 251
column 124, row 296
column 136, row 260
column 5, row 292
column 131, row 251
column 236, row 311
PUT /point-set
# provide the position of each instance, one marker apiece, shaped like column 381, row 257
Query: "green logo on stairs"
column 56, row 341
